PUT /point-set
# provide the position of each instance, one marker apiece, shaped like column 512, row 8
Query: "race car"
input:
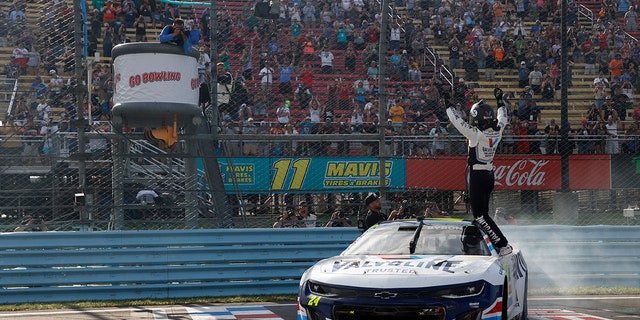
column 432, row 269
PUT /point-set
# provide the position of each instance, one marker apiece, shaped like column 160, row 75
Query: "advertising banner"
column 362, row 174
column 170, row 79
column 533, row 172
column 279, row 175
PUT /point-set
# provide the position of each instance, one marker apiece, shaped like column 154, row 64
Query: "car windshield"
column 435, row 239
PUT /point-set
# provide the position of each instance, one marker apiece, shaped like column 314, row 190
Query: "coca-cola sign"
column 530, row 172
column 522, row 174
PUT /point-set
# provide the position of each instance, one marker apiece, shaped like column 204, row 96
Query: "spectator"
column 374, row 213
column 535, row 79
column 266, row 81
column 439, row 134
column 55, row 87
column 415, row 74
column 129, row 13
column 178, row 35
column 249, row 148
column 603, row 59
column 548, row 89
column 306, row 219
column 357, row 120
column 32, row 224
column 523, row 75
column 284, row 112
column 326, row 61
column 612, row 145
column 350, row 59
column 552, row 132
column 338, row 219
column 524, row 104
column 632, row 139
column 108, row 38
column 146, row 11
column 247, row 63
column 502, row 217
column 397, row 115
column 432, row 211
column 508, row 141
column 204, row 64
column 33, row 64
column 287, row 220
column 608, row 110
column 20, row 56
column 223, row 90
column 621, row 103
column 285, row 69
column 39, row 87
column 599, row 93
column 43, row 110
column 140, row 26
column 454, row 53
column 110, row 10
column 360, row 93
column 587, row 50
column 616, row 65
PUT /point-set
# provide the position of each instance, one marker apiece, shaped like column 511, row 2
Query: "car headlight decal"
column 463, row 291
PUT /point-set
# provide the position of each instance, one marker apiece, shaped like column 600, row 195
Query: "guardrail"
column 74, row 266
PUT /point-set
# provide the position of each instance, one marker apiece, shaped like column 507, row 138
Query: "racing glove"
column 497, row 92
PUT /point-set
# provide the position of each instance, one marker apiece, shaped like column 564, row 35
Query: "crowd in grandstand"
column 311, row 67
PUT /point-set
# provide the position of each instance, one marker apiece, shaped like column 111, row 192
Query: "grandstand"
column 579, row 99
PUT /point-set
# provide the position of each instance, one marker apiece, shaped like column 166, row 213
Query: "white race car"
column 426, row 269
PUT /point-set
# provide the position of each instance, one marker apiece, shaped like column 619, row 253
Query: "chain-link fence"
column 310, row 114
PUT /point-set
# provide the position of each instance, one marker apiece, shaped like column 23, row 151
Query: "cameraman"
column 288, row 219
column 32, row 224
column 176, row 34
column 338, row 219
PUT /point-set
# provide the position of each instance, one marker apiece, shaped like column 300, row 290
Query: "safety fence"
column 78, row 266
column 261, row 188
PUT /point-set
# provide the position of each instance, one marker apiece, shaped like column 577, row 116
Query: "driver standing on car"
column 483, row 133
column 374, row 213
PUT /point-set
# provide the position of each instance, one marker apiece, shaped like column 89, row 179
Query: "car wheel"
column 505, row 299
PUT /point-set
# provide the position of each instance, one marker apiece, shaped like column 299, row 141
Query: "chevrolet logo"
column 385, row 295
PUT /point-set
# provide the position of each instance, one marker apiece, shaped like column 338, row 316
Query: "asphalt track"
column 540, row 308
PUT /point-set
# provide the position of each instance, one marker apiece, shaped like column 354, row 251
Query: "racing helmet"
column 481, row 115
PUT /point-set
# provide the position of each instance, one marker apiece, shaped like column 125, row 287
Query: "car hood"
column 385, row 271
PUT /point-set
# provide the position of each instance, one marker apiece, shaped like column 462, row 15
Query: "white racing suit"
column 482, row 148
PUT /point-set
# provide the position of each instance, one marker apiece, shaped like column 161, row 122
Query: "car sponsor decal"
column 396, row 266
